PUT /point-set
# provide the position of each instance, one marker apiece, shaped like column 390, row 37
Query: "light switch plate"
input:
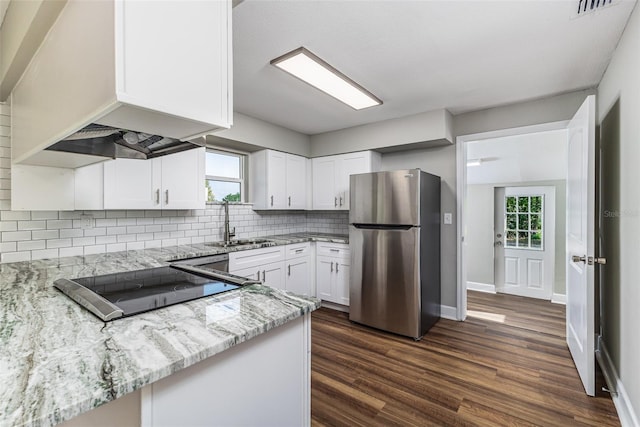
column 448, row 218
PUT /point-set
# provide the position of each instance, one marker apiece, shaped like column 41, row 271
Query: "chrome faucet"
column 228, row 234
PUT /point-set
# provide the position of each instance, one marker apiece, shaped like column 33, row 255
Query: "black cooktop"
column 139, row 291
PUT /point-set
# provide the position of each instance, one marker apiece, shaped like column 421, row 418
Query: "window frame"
column 242, row 180
column 529, row 214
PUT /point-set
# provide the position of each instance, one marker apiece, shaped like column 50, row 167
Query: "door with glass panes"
column 524, row 245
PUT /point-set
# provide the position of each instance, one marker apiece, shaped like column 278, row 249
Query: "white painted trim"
column 448, row 312
column 481, row 287
column 559, row 298
column 621, row 400
column 461, row 185
column 335, row 306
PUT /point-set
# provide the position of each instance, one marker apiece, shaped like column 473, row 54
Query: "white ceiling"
column 540, row 156
column 418, row 56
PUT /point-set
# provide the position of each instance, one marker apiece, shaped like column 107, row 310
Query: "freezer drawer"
column 385, row 288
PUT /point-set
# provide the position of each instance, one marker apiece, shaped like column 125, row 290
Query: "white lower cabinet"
column 265, row 264
column 333, row 266
column 299, row 266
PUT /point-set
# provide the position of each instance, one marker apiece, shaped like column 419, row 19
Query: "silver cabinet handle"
column 334, row 250
column 289, row 270
column 335, row 202
column 166, row 197
column 258, row 275
column 271, row 200
column 340, row 200
column 158, row 196
column 263, row 275
column 337, row 267
column 289, row 200
column 299, row 250
column 498, row 243
column 602, row 261
column 332, row 267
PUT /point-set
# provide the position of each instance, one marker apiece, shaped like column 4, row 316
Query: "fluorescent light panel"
column 312, row 70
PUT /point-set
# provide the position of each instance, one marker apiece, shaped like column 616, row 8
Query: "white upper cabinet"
column 278, row 180
column 160, row 67
column 175, row 181
column 331, row 177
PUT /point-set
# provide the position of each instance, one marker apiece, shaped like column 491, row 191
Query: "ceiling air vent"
column 588, row 6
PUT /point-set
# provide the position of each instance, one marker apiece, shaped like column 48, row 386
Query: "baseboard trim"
column 481, row 287
column 621, row 400
column 335, row 306
column 559, row 299
column 448, row 312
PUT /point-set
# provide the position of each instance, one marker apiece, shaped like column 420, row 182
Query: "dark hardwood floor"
column 507, row 364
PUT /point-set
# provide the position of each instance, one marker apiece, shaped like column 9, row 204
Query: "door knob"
column 576, row 258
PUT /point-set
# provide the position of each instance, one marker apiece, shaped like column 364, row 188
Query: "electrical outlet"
column 448, row 218
column 86, row 221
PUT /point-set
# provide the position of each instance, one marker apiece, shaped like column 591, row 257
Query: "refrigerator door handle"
column 383, row 227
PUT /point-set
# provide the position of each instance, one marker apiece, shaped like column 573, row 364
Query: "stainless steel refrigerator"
column 394, row 236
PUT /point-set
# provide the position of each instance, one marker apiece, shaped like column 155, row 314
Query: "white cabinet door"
column 298, row 278
column 132, row 184
column 273, row 275
column 296, row 182
column 183, row 180
column 252, row 273
column 324, row 277
column 174, row 181
column 324, row 177
column 350, row 164
column 341, row 278
column 276, row 180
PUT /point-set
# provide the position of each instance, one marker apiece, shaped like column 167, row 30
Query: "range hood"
column 109, row 82
column 106, row 141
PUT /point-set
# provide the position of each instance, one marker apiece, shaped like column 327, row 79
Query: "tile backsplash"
column 32, row 235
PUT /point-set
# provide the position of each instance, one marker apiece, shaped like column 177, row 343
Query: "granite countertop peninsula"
column 57, row 360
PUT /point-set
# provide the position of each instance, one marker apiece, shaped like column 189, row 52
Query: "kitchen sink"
column 239, row 242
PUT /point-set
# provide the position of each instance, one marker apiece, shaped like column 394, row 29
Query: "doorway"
column 515, row 198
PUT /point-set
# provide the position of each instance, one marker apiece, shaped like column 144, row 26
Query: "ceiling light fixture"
column 314, row 71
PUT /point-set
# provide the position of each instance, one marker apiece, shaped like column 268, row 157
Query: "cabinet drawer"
column 297, row 250
column 254, row 257
column 338, row 250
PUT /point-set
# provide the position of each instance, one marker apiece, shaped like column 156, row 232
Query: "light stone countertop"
column 57, row 360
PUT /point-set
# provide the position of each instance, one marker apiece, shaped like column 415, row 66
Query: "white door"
column 525, row 241
column 325, row 267
column 341, row 280
column 276, row 180
column 132, row 184
column 273, row 275
column 580, row 242
column 183, row 180
column 324, row 178
column 350, row 164
column 296, row 182
column 299, row 276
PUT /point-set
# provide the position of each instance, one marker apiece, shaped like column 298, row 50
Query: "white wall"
column 438, row 161
column 619, row 118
